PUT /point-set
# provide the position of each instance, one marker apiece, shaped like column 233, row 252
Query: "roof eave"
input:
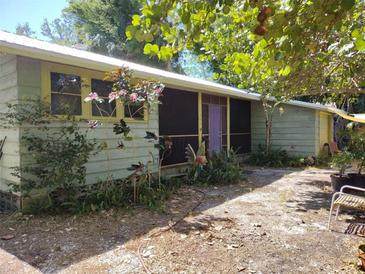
column 23, row 46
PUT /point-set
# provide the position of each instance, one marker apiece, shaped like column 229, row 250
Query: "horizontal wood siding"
column 294, row 130
column 8, row 94
column 112, row 161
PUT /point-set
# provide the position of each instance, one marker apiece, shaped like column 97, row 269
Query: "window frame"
column 86, row 107
column 136, row 120
column 46, row 70
column 119, row 113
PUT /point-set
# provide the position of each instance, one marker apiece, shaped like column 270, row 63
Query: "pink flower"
column 92, row 124
column 133, row 97
column 122, row 92
column 158, row 90
column 93, row 96
column 113, row 96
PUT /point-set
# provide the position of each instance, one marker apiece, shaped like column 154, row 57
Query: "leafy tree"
column 25, row 30
column 281, row 49
column 101, row 25
column 60, row 30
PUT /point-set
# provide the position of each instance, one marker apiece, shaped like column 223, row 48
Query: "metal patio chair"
column 342, row 199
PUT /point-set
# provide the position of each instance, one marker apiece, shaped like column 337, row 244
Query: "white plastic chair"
column 341, row 199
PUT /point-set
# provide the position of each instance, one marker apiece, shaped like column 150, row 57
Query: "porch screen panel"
column 178, row 119
column 240, row 125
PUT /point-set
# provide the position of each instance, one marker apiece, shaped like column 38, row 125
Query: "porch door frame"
column 200, row 119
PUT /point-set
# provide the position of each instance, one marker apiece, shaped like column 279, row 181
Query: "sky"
column 13, row 12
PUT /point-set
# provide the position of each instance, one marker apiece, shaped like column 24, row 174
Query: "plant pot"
column 353, row 178
column 360, row 180
column 338, row 181
column 362, row 256
column 357, row 180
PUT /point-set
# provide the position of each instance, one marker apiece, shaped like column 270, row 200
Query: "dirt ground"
column 274, row 222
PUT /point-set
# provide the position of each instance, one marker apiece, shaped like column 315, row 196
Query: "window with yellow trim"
column 66, row 87
column 65, row 94
column 103, row 109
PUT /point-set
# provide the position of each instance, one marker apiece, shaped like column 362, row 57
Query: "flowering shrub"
column 129, row 91
column 59, row 157
column 135, row 95
column 93, row 96
column 142, row 93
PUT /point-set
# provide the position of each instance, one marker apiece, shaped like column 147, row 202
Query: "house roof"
column 33, row 48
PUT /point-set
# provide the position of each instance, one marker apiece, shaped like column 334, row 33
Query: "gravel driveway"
column 273, row 222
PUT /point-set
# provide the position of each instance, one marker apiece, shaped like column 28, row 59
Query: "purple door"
column 215, row 128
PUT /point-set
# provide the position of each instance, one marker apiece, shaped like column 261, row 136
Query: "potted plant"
column 357, row 147
column 362, row 256
column 342, row 161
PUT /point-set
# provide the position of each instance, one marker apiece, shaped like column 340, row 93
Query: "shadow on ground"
column 314, row 200
column 52, row 243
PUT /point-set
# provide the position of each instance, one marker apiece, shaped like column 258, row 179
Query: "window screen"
column 240, row 125
column 179, row 144
column 65, row 94
column 178, row 112
column 178, row 118
column 103, row 88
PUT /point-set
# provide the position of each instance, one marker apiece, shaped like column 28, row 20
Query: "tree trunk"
column 268, row 124
column 268, row 110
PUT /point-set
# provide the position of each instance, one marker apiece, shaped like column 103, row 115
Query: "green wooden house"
column 193, row 110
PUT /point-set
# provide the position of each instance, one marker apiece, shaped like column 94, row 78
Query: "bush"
column 53, row 180
column 105, row 195
column 323, row 158
column 222, row 168
column 56, row 156
column 58, row 160
column 356, row 144
column 342, row 161
column 275, row 158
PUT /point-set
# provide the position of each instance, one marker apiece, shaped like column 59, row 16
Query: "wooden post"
column 200, row 118
column 228, row 124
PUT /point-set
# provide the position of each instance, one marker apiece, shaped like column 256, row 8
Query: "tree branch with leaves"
column 280, row 49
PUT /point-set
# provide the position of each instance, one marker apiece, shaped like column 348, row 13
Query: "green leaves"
column 136, row 20
column 185, row 16
column 285, row 71
column 360, row 44
column 140, row 36
column 304, row 43
column 347, row 4
column 150, row 49
column 130, row 32
column 148, row 37
column 259, row 47
column 359, row 36
column 239, row 62
column 164, row 53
